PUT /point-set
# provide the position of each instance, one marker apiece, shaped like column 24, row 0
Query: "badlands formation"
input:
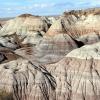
column 51, row 57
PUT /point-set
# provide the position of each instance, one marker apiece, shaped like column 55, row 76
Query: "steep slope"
column 27, row 26
column 78, row 74
column 49, row 49
column 0, row 25
column 74, row 77
column 21, row 79
column 77, row 23
column 57, row 65
column 24, row 24
column 3, row 21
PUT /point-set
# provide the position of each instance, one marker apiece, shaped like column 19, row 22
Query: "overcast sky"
column 9, row 8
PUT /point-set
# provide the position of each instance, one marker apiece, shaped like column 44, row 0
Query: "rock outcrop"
column 22, row 79
column 49, row 49
column 74, row 77
column 24, row 24
column 31, row 27
column 77, row 23
column 77, row 74
column 56, row 63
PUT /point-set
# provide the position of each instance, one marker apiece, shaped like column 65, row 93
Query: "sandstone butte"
column 51, row 57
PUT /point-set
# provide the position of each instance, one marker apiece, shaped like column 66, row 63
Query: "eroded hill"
column 51, row 58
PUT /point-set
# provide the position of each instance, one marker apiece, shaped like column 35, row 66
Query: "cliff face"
column 77, row 74
column 49, row 50
column 23, row 80
column 26, row 25
column 74, row 77
column 56, row 63
column 77, row 24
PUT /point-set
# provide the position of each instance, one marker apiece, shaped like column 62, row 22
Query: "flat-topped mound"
column 27, row 15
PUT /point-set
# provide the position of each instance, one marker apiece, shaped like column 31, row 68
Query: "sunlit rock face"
column 56, row 63
column 26, row 25
column 22, row 79
column 49, row 49
column 77, row 74
column 3, row 22
column 77, row 23
column 74, row 77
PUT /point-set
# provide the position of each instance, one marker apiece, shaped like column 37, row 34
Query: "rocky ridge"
column 56, row 63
